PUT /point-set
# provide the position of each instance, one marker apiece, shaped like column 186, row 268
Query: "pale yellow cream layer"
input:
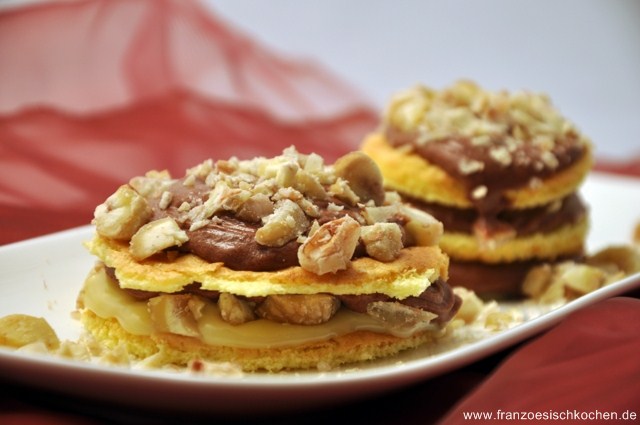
column 106, row 300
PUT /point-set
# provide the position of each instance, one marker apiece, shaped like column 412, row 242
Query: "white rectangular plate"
column 42, row 277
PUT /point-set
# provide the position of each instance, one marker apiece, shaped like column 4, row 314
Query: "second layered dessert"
column 268, row 263
column 500, row 170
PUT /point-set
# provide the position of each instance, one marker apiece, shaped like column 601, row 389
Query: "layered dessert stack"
column 268, row 263
column 501, row 171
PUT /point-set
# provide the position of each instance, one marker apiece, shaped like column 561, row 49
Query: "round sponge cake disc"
column 409, row 173
column 567, row 240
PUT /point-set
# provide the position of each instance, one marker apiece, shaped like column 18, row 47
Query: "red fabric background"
column 94, row 92
column 106, row 90
column 589, row 363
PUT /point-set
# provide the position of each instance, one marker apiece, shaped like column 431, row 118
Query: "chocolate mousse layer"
column 232, row 241
column 496, row 165
column 524, row 222
column 438, row 299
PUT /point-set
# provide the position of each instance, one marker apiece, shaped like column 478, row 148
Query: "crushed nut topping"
column 469, row 166
column 501, row 121
column 331, row 247
column 235, row 310
column 383, row 241
column 299, row 309
column 501, row 155
column 401, row 319
column 122, row 214
column 328, row 210
column 363, row 175
column 165, row 200
column 156, row 236
column 176, row 314
column 286, row 223
column 479, row 192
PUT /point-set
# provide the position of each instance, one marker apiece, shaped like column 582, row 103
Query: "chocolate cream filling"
column 527, row 162
column 232, row 241
column 524, row 222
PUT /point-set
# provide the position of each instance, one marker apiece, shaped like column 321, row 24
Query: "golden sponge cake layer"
column 409, row 275
column 568, row 240
column 169, row 349
column 414, row 176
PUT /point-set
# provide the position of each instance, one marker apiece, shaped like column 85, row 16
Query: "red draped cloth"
column 95, row 92
column 587, row 369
